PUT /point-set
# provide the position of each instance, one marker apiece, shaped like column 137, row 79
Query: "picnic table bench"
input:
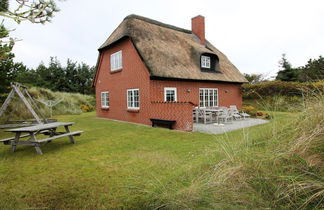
column 33, row 131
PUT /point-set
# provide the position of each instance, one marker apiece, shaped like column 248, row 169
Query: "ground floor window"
column 133, row 99
column 105, row 99
column 208, row 97
column 170, row 94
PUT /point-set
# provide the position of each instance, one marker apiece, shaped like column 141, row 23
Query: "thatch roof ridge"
column 133, row 16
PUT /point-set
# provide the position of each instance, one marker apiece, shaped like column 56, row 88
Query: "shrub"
column 249, row 110
column 263, row 114
column 86, row 108
column 276, row 88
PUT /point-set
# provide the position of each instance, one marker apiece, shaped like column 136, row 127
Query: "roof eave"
column 193, row 80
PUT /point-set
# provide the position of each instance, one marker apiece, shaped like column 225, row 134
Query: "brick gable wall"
column 133, row 75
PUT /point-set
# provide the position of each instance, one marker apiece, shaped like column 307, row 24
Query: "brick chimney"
column 198, row 27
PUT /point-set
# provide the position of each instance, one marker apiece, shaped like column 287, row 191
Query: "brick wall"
column 181, row 112
column 228, row 94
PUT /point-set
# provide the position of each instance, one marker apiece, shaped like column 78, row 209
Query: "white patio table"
column 215, row 111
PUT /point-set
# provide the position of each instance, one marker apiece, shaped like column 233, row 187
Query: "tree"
column 34, row 11
column 9, row 71
column 6, row 44
column 286, row 72
column 312, row 71
column 38, row 11
column 254, row 78
column 74, row 77
column 84, row 78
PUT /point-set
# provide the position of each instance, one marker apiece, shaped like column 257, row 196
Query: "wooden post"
column 22, row 97
column 7, row 101
column 15, row 142
column 70, row 137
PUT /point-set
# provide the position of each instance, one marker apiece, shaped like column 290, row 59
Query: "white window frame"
column 205, row 61
column 210, row 95
column 104, row 99
column 116, row 61
column 131, row 104
column 172, row 89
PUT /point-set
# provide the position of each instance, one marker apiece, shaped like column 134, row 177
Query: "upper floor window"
column 116, row 61
column 205, row 61
column 133, row 99
column 170, row 94
column 104, row 99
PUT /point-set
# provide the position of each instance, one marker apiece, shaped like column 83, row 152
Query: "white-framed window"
column 208, row 97
column 116, row 61
column 205, row 61
column 133, row 100
column 170, row 94
column 105, row 99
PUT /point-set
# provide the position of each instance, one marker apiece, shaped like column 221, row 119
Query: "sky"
column 253, row 34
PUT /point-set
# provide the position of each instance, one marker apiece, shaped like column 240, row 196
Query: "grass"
column 126, row 166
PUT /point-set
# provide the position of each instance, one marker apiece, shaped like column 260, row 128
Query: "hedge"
column 281, row 88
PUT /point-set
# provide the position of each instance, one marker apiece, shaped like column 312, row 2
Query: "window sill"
column 105, row 108
column 115, row 71
column 133, row 110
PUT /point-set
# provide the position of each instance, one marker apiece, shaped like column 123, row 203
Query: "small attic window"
column 205, row 61
column 209, row 62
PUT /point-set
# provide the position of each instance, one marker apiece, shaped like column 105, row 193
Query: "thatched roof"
column 172, row 52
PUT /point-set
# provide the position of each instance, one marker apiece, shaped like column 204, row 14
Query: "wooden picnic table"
column 34, row 131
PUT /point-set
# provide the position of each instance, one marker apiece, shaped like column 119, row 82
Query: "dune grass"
column 69, row 103
column 126, row 166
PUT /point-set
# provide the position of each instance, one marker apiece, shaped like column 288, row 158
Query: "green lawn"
column 122, row 165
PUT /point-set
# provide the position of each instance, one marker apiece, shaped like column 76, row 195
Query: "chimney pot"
column 198, row 28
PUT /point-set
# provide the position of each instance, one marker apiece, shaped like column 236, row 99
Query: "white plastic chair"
column 242, row 113
column 226, row 115
column 235, row 112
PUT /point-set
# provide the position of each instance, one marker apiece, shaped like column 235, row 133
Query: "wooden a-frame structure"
column 31, row 106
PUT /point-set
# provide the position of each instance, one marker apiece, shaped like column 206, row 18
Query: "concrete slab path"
column 214, row 128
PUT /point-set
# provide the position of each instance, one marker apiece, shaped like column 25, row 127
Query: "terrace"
column 218, row 128
column 217, row 120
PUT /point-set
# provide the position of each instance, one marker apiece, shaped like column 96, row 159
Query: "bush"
column 263, row 114
column 280, row 88
column 86, row 108
column 277, row 103
column 249, row 110
column 279, row 95
column 254, row 113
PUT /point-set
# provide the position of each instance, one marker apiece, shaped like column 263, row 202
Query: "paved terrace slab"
column 214, row 128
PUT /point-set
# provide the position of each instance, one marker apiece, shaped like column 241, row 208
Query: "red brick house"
column 148, row 69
